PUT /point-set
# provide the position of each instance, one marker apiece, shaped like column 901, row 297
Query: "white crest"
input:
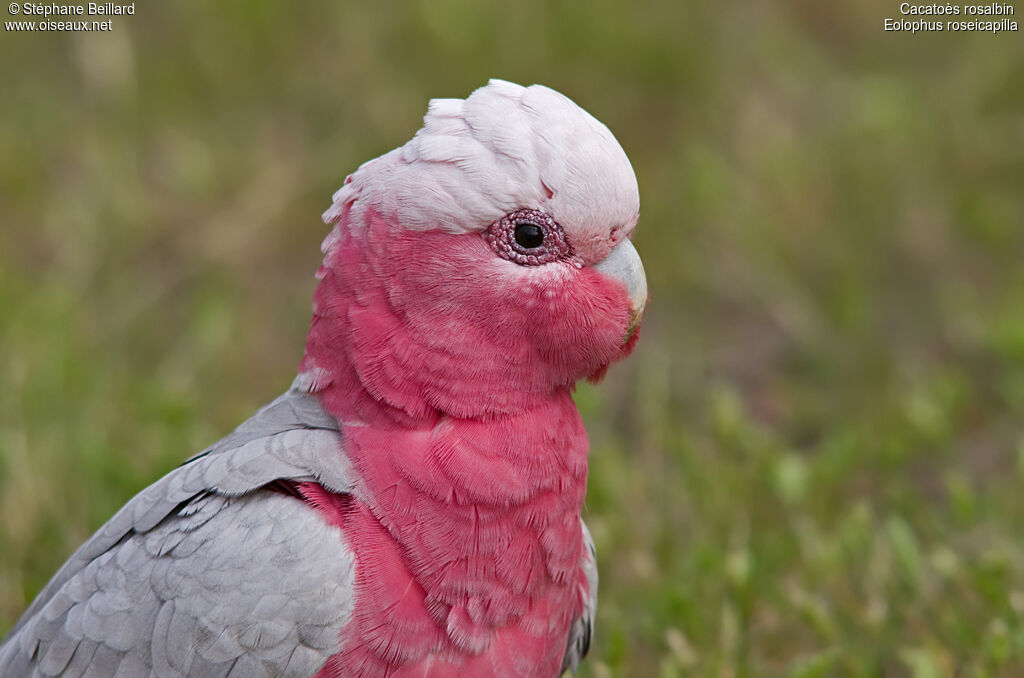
column 505, row 147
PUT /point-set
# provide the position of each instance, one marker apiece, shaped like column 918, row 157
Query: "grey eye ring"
column 529, row 237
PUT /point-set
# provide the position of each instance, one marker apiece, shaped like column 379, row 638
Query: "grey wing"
column 205, row 572
column 583, row 628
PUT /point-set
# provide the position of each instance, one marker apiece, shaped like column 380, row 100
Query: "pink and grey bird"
column 411, row 506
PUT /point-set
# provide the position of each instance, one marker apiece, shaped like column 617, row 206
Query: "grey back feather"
column 583, row 628
column 204, row 573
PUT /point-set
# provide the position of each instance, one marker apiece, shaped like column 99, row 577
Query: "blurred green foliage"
column 812, row 465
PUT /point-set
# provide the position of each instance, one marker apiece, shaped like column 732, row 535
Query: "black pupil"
column 529, row 235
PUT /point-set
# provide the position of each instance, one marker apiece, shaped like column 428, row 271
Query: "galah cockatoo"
column 411, row 506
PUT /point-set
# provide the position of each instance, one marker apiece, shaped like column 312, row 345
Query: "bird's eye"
column 529, row 235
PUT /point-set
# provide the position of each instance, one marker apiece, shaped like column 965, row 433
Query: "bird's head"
column 482, row 266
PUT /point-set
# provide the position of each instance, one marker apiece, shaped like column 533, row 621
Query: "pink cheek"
column 535, row 298
column 528, row 296
column 551, row 300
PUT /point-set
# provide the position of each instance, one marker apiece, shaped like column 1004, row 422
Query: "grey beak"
column 624, row 264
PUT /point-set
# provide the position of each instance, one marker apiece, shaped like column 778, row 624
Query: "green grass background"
column 812, row 465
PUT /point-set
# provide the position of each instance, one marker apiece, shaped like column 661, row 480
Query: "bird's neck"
column 467, row 534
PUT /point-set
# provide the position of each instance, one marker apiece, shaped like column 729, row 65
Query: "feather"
column 168, row 584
